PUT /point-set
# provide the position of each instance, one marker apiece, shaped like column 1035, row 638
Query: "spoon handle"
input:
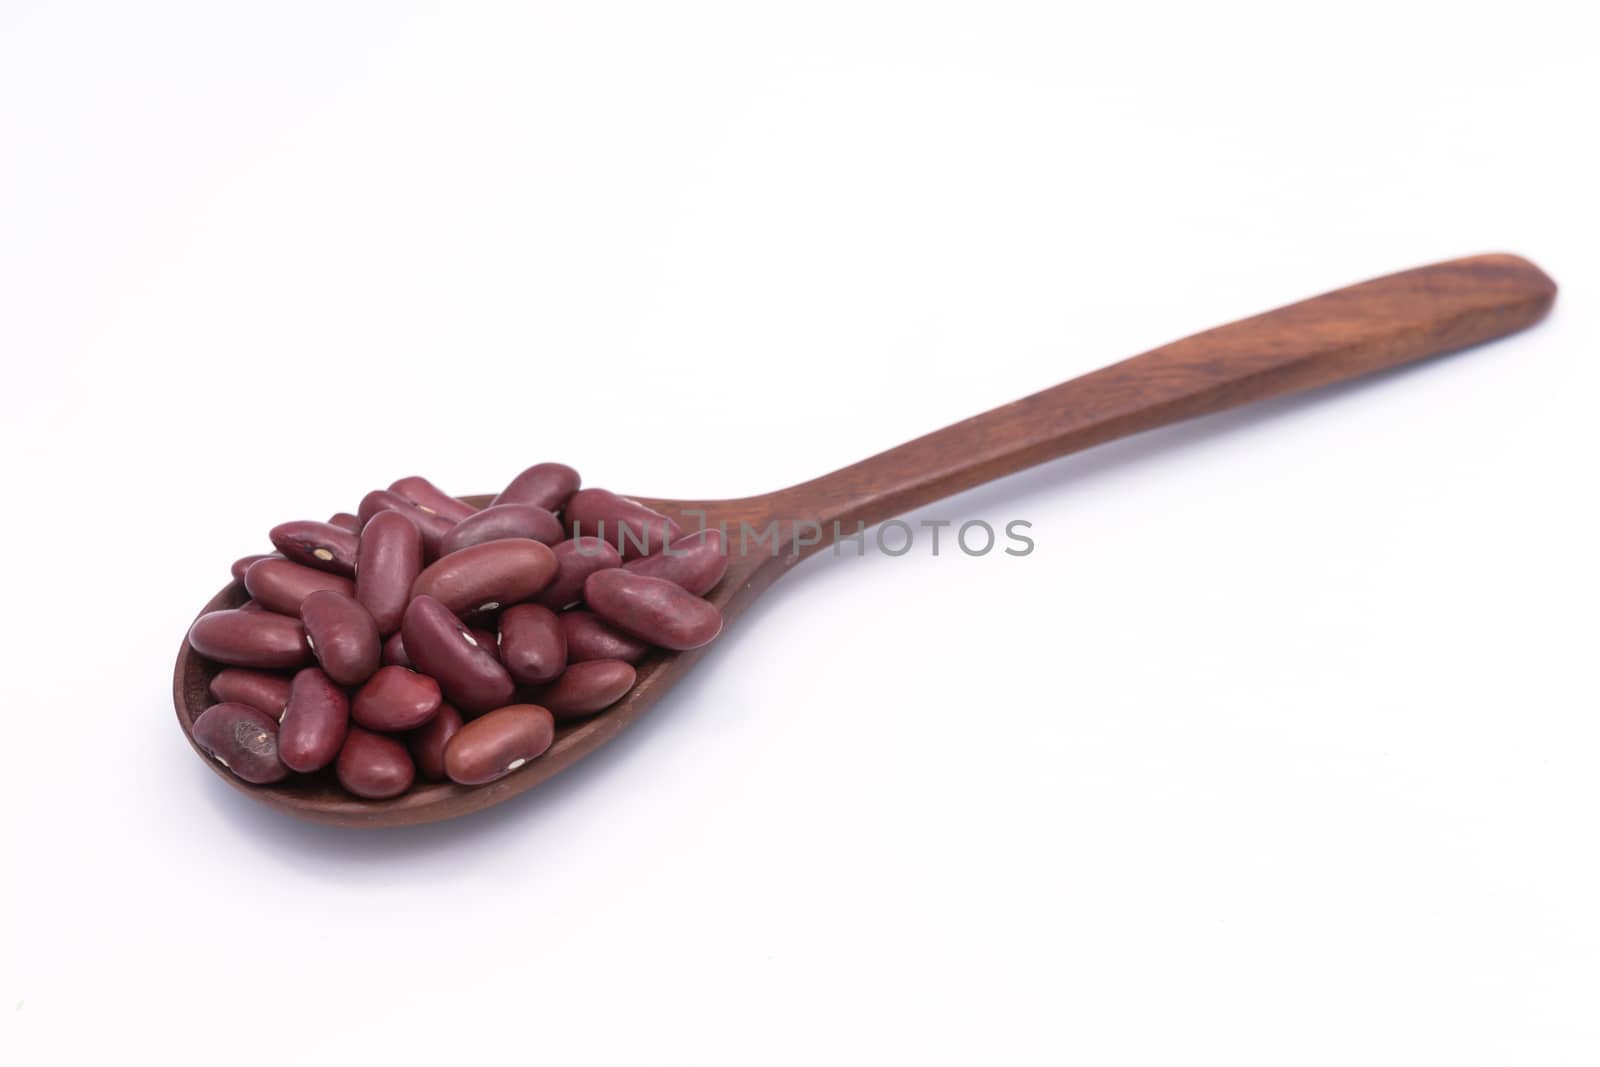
column 1383, row 323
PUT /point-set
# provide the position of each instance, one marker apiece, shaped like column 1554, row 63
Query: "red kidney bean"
column 589, row 637
column 394, row 652
column 243, row 564
column 634, row 529
column 314, row 722
column 342, row 636
column 262, row 691
column 381, row 500
column 427, row 742
column 442, row 646
column 425, row 496
column 487, row 638
column 498, row 743
column 317, row 544
column 374, row 766
column 282, row 585
column 398, row 600
column 695, row 561
column 388, row 561
column 587, row 687
column 533, row 646
column 545, row 485
column 654, row 609
column 500, row 522
column 487, row 576
column 396, row 699
column 575, row 561
column 431, row 525
column 242, row 739
column 260, row 639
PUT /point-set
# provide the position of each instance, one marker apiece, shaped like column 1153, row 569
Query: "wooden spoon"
column 1340, row 335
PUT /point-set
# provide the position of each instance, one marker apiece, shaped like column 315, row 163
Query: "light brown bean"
column 498, row 743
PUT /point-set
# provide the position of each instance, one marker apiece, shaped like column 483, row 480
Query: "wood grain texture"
column 1359, row 330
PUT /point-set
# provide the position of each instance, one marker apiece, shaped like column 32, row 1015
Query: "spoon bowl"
column 1377, row 325
column 319, row 798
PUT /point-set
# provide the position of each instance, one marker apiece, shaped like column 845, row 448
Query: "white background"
column 1282, row 746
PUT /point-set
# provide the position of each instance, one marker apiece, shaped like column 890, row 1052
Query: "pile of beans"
column 423, row 636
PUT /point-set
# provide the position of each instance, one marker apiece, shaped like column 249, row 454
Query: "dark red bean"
column 487, row 638
column 374, row 766
column 587, row 687
column 262, row 691
column 243, row 564
column 632, row 528
column 695, row 561
column 388, row 561
column 590, row 637
column 533, row 647
column 314, row 723
column 342, row 636
column 501, row 522
column 653, row 609
column 427, row 742
column 261, row 639
column 431, row 525
column 498, row 743
column 394, row 652
column 382, row 500
column 282, row 585
column 396, row 699
column 575, row 561
column 251, row 605
column 317, row 544
column 441, row 645
column 242, row 739
column 485, row 577
column 426, row 496
column 545, row 485
column 346, row 521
